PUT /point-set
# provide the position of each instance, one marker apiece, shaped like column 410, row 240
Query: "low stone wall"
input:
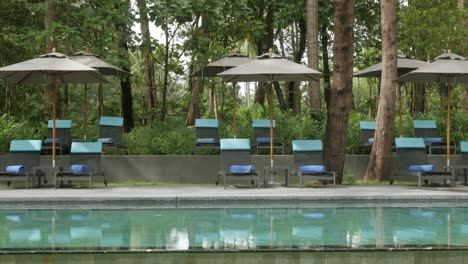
column 202, row 169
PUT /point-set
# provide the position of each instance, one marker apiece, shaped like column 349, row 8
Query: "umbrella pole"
column 54, row 117
column 85, row 111
column 270, row 104
column 234, row 97
column 400, row 110
column 448, row 124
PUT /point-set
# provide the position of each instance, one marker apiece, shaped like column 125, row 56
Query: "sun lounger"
column 413, row 161
column 463, row 167
column 427, row 130
column 111, row 132
column 308, row 161
column 236, row 161
column 23, row 162
column 367, row 136
column 261, row 133
column 85, row 164
column 206, row 134
column 62, row 135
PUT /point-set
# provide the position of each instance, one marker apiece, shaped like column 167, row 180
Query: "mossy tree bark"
column 341, row 90
column 379, row 166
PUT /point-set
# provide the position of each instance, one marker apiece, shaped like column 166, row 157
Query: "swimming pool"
column 226, row 230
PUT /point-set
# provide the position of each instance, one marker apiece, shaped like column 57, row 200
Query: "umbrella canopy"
column 447, row 68
column 225, row 63
column 270, row 67
column 50, row 69
column 405, row 64
column 103, row 67
column 95, row 62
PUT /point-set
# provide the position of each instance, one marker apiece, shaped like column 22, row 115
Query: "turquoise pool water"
column 233, row 229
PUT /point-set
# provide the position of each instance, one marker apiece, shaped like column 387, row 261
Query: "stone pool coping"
column 216, row 197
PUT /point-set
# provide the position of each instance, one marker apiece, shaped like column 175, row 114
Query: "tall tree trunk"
column 341, row 91
column 379, row 166
column 313, row 90
column 193, row 111
column 149, row 65
column 260, row 94
column 299, row 46
column 126, row 99
column 8, row 96
column 279, row 94
column 326, row 65
column 211, row 100
column 100, row 99
column 419, row 98
column 67, row 45
column 50, row 17
column 166, row 75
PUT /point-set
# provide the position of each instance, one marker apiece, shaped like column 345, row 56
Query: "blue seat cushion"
column 17, row 169
column 79, row 168
column 433, row 140
column 422, row 168
column 371, row 140
column 48, row 141
column 312, row 169
column 264, row 140
column 106, row 140
column 242, row 169
column 207, row 141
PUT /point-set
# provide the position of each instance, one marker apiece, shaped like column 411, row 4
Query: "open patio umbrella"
column 225, row 63
column 50, row 69
column 405, row 65
column 447, row 68
column 103, row 67
column 270, row 67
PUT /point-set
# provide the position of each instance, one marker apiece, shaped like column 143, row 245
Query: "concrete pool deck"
column 211, row 196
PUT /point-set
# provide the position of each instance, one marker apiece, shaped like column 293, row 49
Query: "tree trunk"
column 279, row 94
column 341, row 91
column 126, row 99
column 194, row 110
column 211, row 100
column 8, row 96
column 50, row 17
column 299, row 47
column 465, row 97
column 313, row 90
column 326, row 65
column 419, row 98
column 260, row 94
column 379, row 166
column 149, row 65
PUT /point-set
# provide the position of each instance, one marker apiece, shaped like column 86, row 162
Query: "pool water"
column 233, row 229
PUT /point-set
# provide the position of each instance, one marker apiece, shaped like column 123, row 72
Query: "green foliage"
column 11, row 129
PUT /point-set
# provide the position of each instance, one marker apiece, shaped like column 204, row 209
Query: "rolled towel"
column 106, row 140
column 433, row 140
column 79, row 169
column 207, row 141
column 312, row 169
column 422, row 168
column 49, row 141
column 17, row 169
column 264, row 140
column 242, row 169
column 371, row 140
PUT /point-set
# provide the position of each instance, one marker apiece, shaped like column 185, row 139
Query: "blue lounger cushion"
column 312, row 169
column 49, row 141
column 264, row 140
column 106, row 140
column 433, row 140
column 422, row 168
column 17, row 169
column 79, row 168
column 371, row 140
column 207, row 141
column 241, row 169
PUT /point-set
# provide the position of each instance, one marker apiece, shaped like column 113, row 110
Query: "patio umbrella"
column 447, row 68
column 225, row 63
column 103, row 67
column 270, row 67
column 405, row 65
column 50, row 69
